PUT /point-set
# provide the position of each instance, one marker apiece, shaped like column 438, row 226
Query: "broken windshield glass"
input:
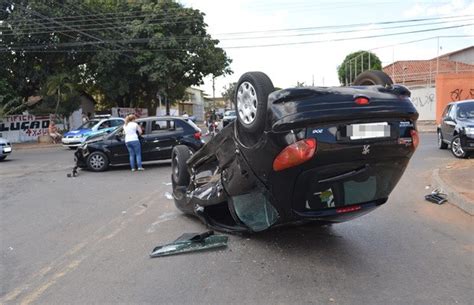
column 255, row 211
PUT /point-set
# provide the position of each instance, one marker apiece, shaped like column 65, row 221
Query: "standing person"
column 53, row 132
column 132, row 130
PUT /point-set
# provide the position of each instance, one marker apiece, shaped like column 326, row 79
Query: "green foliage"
column 355, row 63
column 229, row 92
column 123, row 53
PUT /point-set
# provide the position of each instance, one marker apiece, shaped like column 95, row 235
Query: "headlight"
column 469, row 130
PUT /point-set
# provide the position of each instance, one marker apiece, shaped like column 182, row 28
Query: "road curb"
column 34, row 146
column 453, row 197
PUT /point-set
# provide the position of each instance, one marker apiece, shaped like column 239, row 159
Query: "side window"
column 161, row 126
column 143, row 126
column 446, row 111
column 115, row 123
column 105, row 124
column 452, row 112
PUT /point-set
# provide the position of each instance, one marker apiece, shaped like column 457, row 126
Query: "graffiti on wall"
column 461, row 94
column 21, row 128
column 424, row 100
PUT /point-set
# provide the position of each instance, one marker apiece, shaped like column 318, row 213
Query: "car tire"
column 373, row 77
column 179, row 170
column 441, row 144
column 456, row 148
column 2, row 158
column 251, row 99
column 97, row 161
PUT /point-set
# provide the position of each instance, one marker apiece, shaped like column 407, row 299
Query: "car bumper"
column 72, row 142
column 467, row 142
column 6, row 150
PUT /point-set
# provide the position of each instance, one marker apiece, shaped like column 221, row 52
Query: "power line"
column 145, row 40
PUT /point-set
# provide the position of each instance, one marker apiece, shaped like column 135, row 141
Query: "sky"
column 240, row 25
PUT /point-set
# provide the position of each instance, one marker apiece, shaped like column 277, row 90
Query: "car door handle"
column 156, row 141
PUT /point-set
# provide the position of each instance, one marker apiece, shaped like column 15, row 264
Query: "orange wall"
column 453, row 87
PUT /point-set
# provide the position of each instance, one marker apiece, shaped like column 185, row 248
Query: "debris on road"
column 74, row 172
column 436, row 197
column 191, row 242
column 168, row 196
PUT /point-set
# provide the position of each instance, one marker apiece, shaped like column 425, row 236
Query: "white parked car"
column 5, row 148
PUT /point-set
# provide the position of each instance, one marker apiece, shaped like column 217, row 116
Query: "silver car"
column 5, row 148
column 229, row 116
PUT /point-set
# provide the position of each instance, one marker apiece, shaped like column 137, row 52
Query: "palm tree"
column 61, row 85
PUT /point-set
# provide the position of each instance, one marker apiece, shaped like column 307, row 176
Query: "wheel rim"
column 456, row 148
column 97, row 161
column 440, row 139
column 247, row 103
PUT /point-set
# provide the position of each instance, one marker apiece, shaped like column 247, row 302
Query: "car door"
column 163, row 136
column 449, row 123
column 118, row 151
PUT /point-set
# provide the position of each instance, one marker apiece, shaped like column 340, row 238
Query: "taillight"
column 361, row 100
column 352, row 208
column 197, row 135
column 295, row 154
column 415, row 138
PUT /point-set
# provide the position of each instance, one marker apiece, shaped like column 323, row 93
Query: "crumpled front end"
column 224, row 191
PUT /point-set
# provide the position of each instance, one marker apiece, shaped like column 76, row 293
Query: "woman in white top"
column 132, row 130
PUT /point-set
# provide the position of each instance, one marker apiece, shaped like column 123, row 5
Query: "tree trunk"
column 57, row 103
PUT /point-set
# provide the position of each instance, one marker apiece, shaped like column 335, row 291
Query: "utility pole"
column 213, row 91
column 313, row 80
column 437, row 58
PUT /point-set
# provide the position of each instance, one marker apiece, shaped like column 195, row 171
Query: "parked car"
column 76, row 137
column 229, row 116
column 299, row 155
column 457, row 128
column 160, row 135
column 5, row 148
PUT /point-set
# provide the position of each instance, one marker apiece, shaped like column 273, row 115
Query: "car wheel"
column 456, row 148
column 252, row 93
column 2, row 158
column 372, row 77
column 441, row 144
column 179, row 170
column 97, row 161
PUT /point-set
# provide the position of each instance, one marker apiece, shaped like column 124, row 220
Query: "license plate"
column 368, row 131
column 7, row 149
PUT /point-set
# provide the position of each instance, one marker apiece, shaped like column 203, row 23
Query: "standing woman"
column 132, row 131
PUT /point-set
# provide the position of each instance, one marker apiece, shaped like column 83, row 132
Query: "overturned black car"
column 298, row 155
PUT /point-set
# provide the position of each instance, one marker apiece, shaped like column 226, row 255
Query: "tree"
column 229, row 92
column 126, row 52
column 355, row 63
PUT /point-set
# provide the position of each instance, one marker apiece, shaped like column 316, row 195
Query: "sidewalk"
column 457, row 181
column 426, row 126
column 33, row 145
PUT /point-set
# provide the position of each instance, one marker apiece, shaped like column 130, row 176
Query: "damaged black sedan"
column 298, row 155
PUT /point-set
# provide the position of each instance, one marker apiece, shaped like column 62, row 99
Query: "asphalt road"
column 86, row 240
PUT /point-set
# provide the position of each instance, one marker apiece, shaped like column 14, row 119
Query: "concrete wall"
column 453, row 87
column 466, row 56
column 24, row 128
column 424, row 100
